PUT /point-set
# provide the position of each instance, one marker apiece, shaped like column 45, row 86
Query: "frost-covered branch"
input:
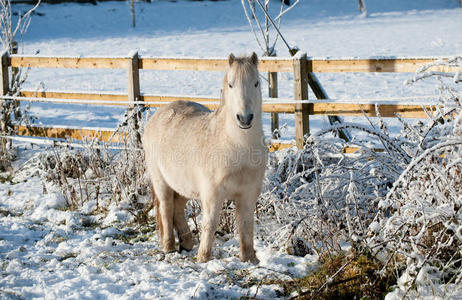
column 10, row 109
column 10, row 31
column 283, row 12
column 425, row 72
column 264, row 27
column 456, row 77
column 251, row 23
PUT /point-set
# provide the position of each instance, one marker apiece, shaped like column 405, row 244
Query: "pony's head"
column 242, row 91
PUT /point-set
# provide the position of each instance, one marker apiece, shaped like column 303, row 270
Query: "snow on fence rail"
column 301, row 66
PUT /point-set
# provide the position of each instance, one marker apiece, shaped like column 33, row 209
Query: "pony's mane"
column 244, row 66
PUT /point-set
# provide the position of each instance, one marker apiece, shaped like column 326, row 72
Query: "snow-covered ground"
column 50, row 252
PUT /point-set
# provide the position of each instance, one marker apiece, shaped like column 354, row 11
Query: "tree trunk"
column 362, row 6
column 132, row 10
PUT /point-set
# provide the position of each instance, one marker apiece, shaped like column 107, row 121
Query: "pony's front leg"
column 245, row 224
column 211, row 207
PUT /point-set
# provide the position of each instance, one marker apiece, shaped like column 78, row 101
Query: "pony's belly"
column 182, row 183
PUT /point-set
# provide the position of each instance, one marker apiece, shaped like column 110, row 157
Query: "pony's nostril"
column 244, row 121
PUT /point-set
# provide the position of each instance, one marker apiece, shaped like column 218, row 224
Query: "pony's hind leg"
column 165, row 213
column 180, row 223
column 158, row 218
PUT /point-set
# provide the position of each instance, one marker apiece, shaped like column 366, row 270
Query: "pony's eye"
column 257, row 83
column 230, row 85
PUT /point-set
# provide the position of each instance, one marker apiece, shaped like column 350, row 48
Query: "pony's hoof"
column 187, row 249
column 169, row 250
column 168, row 246
column 203, row 258
column 186, row 243
column 252, row 259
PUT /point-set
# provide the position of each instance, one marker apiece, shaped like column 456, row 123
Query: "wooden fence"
column 300, row 66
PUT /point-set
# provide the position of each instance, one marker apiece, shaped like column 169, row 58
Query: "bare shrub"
column 419, row 219
column 325, row 197
column 10, row 108
column 402, row 206
column 104, row 173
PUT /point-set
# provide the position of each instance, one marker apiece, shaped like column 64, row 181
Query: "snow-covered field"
column 50, row 252
column 214, row 29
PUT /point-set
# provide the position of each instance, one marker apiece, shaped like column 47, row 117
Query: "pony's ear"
column 254, row 58
column 231, row 59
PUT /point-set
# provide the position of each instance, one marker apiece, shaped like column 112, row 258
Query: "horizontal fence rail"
column 220, row 64
column 105, row 135
column 316, row 107
column 300, row 66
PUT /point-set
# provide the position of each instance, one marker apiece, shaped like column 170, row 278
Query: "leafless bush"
column 402, row 205
column 418, row 225
column 103, row 173
column 11, row 29
column 326, row 197
column 10, row 109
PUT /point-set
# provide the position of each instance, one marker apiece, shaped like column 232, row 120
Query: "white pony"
column 194, row 153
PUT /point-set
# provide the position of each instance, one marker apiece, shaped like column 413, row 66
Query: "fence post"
column 134, row 94
column 320, row 94
column 273, row 93
column 4, row 89
column 133, row 76
column 14, row 71
column 302, row 121
column 15, row 82
column 5, row 82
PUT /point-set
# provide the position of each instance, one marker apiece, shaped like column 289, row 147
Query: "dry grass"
column 344, row 277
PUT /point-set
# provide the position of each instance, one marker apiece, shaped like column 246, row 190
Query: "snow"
column 209, row 30
column 374, row 226
column 47, row 251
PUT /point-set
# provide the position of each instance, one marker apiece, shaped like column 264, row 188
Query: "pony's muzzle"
column 244, row 122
